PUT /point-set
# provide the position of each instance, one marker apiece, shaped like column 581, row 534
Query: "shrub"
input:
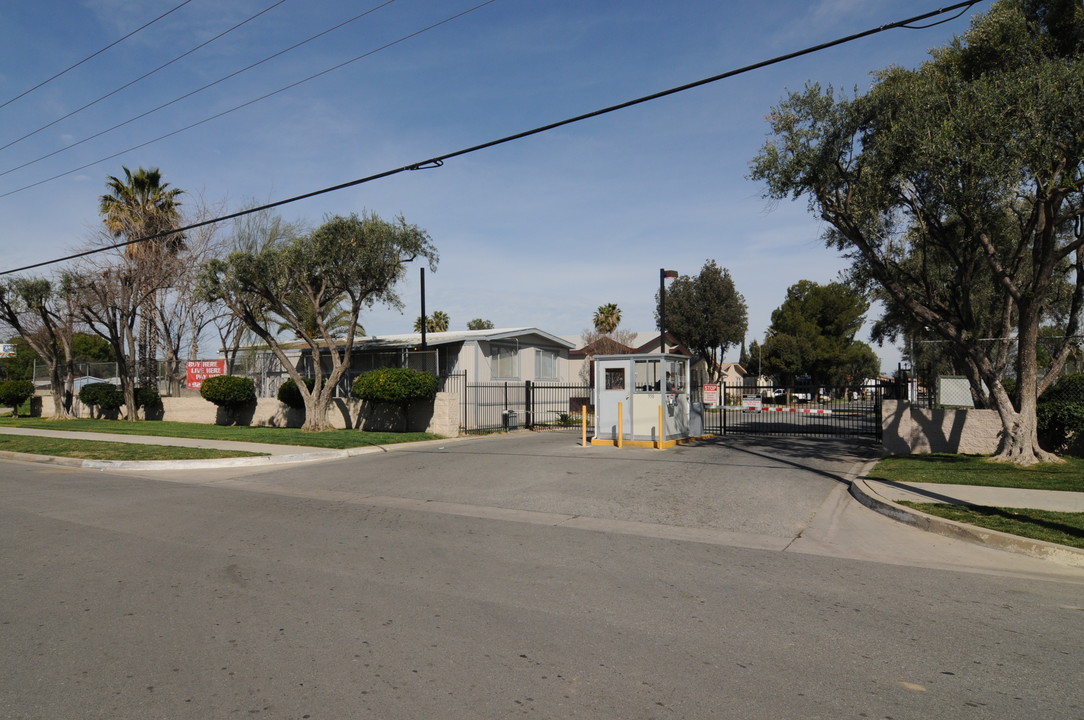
column 148, row 397
column 290, row 396
column 14, row 393
column 229, row 391
column 107, row 397
column 1060, row 412
column 397, row 386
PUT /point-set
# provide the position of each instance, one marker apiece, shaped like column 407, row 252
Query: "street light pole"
column 664, row 275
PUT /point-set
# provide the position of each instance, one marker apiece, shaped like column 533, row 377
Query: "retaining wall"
column 908, row 430
column 441, row 416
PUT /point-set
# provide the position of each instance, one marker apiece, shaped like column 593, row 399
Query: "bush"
column 397, row 386
column 14, row 393
column 290, row 396
column 1060, row 412
column 229, row 391
column 107, row 397
column 148, row 398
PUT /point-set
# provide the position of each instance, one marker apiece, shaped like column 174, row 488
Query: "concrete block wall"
column 440, row 417
column 908, row 430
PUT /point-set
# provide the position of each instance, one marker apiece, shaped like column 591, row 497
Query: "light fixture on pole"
column 664, row 275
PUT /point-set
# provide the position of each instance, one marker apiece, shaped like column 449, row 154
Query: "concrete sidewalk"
column 268, row 454
column 884, row 497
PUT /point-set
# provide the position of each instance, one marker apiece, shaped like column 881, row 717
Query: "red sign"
column 200, row 370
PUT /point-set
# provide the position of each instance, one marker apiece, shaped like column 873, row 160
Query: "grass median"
column 103, row 450
column 330, row 439
column 1056, row 527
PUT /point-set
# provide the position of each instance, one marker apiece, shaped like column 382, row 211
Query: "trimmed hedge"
column 229, row 391
column 1060, row 412
column 396, row 386
column 14, row 393
column 107, row 397
column 290, row 396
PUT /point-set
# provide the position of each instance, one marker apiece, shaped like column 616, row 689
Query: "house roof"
column 375, row 342
column 642, row 343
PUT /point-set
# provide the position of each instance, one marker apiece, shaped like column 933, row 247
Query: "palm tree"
column 140, row 206
column 607, row 318
column 437, row 322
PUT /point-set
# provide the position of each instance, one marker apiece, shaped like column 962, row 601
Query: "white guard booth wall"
column 631, row 390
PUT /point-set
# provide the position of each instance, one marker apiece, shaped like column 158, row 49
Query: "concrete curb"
column 216, row 463
column 863, row 492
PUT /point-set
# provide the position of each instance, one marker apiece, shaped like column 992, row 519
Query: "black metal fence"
column 796, row 410
column 496, row 406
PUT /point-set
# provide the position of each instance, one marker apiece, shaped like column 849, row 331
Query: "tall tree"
column 480, row 324
column 437, row 322
column 706, row 313
column 360, row 258
column 607, row 318
column 965, row 174
column 141, row 206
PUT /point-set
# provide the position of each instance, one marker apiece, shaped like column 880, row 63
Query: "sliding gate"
column 837, row 412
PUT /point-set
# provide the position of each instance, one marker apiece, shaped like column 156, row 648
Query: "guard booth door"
column 615, row 388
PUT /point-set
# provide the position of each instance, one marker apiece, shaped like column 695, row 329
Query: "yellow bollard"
column 620, row 423
column 583, row 422
column 659, row 432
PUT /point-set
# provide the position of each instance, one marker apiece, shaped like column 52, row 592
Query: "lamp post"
column 664, row 275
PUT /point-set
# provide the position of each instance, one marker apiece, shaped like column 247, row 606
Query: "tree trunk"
column 1020, row 439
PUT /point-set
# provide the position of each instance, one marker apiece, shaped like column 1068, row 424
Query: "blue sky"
column 537, row 232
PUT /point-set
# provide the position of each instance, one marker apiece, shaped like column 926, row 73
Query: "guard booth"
column 641, row 400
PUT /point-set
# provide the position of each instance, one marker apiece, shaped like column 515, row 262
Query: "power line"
column 176, row 100
column 130, row 84
column 436, row 162
column 94, row 55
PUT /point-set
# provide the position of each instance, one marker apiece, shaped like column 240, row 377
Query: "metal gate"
column 496, row 406
column 796, row 410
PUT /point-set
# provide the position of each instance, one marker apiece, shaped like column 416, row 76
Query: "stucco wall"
column 908, row 430
column 440, row 417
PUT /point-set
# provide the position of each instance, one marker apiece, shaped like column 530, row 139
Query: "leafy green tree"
column 359, row 258
column 20, row 367
column 41, row 312
column 813, row 333
column 958, row 188
column 480, row 324
column 706, row 313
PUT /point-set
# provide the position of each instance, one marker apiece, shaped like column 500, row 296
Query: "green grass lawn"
column 976, row 470
column 1055, row 527
column 101, row 450
column 331, row 439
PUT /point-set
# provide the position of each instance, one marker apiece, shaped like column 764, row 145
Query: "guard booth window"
column 615, row 378
column 647, row 376
column 675, row 377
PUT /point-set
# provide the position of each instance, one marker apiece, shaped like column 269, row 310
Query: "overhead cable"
column 144, row 76
column 436, row 162
column 94, row 55
column 187, row 95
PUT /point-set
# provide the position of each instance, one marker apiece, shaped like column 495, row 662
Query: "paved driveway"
column 772, row 489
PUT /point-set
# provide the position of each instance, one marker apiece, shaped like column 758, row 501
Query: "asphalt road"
column 508, row 577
